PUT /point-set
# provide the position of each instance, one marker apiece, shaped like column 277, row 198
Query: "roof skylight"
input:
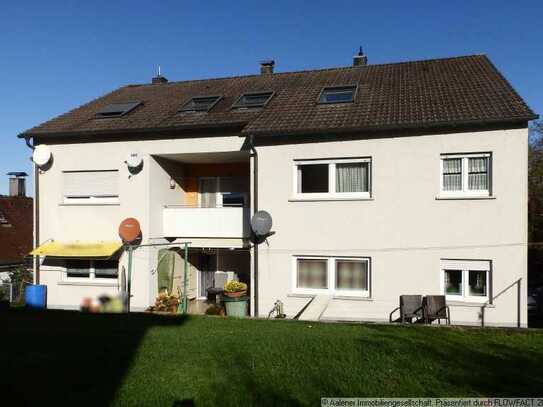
column 253, row 99
column 337, row 94
column 200, row 104
column 117, row 109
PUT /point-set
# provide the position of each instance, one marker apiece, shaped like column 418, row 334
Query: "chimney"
column 266, row 67
column 159, row 79
column 17, row 183
column 360, row 59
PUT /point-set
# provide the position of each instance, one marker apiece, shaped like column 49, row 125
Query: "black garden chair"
column 435, row 308
column 410, row 308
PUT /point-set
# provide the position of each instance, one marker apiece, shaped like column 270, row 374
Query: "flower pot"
column 237, row 307
column 236, row 294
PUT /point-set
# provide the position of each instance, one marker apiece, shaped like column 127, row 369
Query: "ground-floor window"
column 466, row 280
column 92, row 269
column 335, row 275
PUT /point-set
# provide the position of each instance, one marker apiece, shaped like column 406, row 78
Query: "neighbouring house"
column 16, row 225
column 382, row 180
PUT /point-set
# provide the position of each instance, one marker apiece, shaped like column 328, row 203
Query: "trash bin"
column 236, row 307
column 36, row 296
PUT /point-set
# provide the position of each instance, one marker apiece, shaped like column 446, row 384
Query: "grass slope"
column 78, row 359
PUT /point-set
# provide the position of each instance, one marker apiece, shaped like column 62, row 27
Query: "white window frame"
column 465, row 266
column 218, row 196
column 92, row 274
column 331, row 277
column 90, row 199
column 331, row 194
column 465, row 191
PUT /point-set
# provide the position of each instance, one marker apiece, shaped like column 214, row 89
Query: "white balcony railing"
column 224, row 222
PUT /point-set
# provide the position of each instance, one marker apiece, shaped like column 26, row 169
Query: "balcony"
column 216, row 222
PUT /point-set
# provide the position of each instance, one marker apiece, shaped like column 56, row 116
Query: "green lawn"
column 70, row 358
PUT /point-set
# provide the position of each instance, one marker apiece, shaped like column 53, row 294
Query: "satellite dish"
column 41, row 155
column 130, row 230
column 134, row 161
column 261, row 223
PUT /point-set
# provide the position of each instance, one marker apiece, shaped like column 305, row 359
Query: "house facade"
column 381, row 180
column 15, row 226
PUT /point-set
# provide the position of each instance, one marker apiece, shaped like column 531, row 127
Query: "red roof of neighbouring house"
column 418, row 94
column 16, row 224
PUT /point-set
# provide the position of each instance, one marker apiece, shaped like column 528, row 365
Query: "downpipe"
column 255, row 209
column 36, row 221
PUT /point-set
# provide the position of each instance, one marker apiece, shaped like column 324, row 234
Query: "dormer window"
column 200, row 104
column 337, row 94
column 117, row 109
column 259, row 99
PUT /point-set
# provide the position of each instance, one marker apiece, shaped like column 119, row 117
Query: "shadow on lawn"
column 473, row 363
column 239, row 374
column 69, row 358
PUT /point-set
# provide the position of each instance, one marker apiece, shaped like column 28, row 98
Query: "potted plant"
column 165, row 303
column 234, row 289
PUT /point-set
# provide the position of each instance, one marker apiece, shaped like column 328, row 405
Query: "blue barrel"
column 36, row 296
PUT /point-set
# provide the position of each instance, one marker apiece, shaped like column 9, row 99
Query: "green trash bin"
column 236, row 307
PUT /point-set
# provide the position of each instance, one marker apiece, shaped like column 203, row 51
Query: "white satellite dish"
column 134, row 161
column 41, row 155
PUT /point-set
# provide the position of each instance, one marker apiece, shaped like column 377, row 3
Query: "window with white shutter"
column 466, row 280
column 91, row 186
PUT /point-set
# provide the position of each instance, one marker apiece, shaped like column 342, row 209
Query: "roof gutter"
column 131, row 132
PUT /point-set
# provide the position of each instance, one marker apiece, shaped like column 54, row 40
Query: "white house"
column 382, row 180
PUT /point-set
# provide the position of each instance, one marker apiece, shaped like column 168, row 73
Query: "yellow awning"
column 77, row 249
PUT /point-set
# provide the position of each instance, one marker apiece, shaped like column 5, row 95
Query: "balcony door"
column 209, row 191
column 221, row 192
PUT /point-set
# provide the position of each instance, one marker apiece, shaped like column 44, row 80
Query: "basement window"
column 466, row 280
column 200, row 104
column 117, row 109
column 253, row 99
column 4, row 221
column 337, row 94
column 342, row 276
column 91, row 269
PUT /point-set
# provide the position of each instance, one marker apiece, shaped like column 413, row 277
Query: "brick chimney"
column 360, row 59
column 266, row 67
column 159, row 79
column 17, row 183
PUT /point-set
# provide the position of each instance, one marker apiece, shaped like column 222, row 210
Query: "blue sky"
column 55, row 56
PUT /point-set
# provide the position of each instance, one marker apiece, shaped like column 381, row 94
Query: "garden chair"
column 410, row 307
column 435, row 307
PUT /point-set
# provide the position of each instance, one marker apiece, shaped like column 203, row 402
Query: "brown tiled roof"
column 461, row 90
column 15, row 229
